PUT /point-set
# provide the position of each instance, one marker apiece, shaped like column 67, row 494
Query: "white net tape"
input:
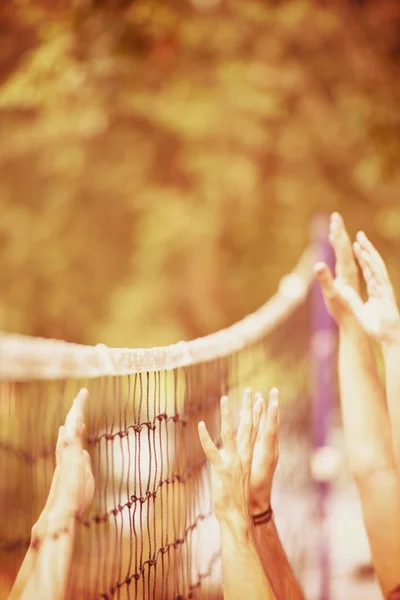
column 27, row 358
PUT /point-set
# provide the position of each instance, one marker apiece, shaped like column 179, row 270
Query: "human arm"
column 46, row 566
column 243, row 575
column 48, row 578
column 379, row 317
column 367, row 434
column 38, row 531
column 265, row 458
column 365, row 418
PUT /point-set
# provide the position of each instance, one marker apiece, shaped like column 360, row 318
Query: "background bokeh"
column 160, row 161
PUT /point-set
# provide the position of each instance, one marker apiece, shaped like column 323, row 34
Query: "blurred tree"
column 160, row 161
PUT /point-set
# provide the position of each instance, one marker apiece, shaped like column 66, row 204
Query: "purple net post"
column 323, row 352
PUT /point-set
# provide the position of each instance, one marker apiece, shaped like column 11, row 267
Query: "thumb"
column 351, row 297
column 325, row 279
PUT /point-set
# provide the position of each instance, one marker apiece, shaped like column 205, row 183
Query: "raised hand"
column 231, row 466
column 379, row 316
column 346, row 272
column 265, row 454
column 75, row 478
column 72, row 486
column 71, row 492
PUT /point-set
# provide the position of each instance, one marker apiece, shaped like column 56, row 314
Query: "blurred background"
column 161, row 162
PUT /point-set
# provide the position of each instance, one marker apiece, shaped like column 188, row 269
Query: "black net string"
column 150, row 532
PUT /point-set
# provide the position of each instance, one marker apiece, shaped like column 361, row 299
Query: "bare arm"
column 365, row 419
column 379, row 317
column 45, row 569
column 364, row 414
column 265, row 459
column 242, row 571
column 391, row 356
column 276, row 563
column 49, row 577
column 368, row 440
column 38, row 531
column 243, row 575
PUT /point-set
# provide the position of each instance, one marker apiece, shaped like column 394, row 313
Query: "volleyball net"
column 150, row 532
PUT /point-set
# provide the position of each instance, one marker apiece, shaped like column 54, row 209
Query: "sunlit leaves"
column 160, row 164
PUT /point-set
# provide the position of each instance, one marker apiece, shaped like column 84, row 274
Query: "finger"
column 340, row 240
column 376, row 258
column 60, row 444
column 272, row 429
column 376, row 264
column 263, row 418
column 71, row 423
column 227, row 430
column 258, row 410
column 364, row 261
column 74, row 418
column 363, row 257
column 369, row 274
column 245, row 429
column 210, row 449
column 81, row 399
column 325, row 279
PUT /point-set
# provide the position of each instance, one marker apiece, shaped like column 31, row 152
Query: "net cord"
column 25, row 358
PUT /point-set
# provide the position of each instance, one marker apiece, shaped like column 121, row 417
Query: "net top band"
column 27, row 358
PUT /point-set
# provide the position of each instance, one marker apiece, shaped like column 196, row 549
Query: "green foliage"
column 160, row 164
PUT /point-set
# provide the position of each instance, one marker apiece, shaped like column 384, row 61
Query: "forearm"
column 243, row 575
column 391, row 356
column 39, row 530
column 380, row 500
column 369, row 445
column 49, row 575
column 365, row 418
column 23, row 574
column 275, row 563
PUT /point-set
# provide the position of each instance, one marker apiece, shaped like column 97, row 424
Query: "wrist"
column 259, row 506
column 350, row 326
column 391, row 342
column 52, row 525
column 61, row 520
column 237, row 524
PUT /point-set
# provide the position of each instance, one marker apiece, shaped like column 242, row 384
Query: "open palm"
column 379, row 316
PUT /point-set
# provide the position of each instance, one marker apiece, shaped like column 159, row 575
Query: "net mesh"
column 150, row 532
